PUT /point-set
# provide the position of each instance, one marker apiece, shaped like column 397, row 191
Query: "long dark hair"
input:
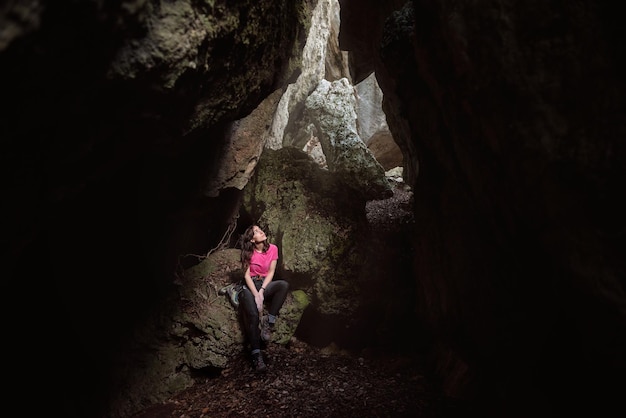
column 247, row 246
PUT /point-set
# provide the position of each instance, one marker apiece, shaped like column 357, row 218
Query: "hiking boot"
column 266, row 330
column 258, row 364
column 224, row 289
column 233, row 295
column 232, row 290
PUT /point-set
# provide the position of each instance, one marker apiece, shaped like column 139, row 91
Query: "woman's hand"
column 259, row 301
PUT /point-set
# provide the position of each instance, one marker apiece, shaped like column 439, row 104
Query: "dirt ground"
column 304, row 381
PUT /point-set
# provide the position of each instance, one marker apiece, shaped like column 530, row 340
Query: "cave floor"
column 306, row 381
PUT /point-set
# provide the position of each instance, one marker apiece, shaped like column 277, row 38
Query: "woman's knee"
column 282, row 284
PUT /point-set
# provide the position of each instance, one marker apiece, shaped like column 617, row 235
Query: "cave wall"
column 515, row 114
column 113, row 119
column 509, row 115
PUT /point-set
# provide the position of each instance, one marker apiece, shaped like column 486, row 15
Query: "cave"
column 119, row 124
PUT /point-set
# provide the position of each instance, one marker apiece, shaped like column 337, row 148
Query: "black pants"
column 274, row 296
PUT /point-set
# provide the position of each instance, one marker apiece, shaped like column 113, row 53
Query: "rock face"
column 320, row 52
column 372, row 124
column 330, row 108
column 134, row 142
column 315, row 219
column 115, row 119
column 387, row 152
column 370, row 115
column 514, row 114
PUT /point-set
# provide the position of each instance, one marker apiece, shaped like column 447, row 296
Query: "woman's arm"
column 270, row 275
column 250, row 282
column 258, row 296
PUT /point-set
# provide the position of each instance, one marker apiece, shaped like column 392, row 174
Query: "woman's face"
column 258, row 235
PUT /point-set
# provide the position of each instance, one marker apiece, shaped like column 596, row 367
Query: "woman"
column 259, row 258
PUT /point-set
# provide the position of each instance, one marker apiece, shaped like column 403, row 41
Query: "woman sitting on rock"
column 259, row 258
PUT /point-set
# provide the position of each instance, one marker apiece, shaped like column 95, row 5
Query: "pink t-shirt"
column 260, row 262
